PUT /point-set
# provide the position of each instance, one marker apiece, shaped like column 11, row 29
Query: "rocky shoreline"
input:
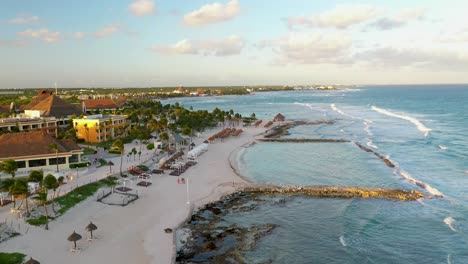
column 208, row 237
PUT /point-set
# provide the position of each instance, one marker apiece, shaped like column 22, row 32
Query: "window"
column 37, row 163
column 21, row 164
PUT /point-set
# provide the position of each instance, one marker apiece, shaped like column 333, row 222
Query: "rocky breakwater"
column 366, row 149
column 303, row 140
column 338, row 192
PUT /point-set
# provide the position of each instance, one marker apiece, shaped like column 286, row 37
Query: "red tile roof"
column 100, row 104
column 32, row 143
column 56, row 107
column 41, row 95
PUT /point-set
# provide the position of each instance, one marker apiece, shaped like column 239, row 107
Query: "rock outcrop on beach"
column 208, row 238
column 282, row 129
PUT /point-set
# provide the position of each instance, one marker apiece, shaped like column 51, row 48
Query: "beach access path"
column 134, row 233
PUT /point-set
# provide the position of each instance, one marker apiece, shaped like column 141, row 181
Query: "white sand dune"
column 135, row 233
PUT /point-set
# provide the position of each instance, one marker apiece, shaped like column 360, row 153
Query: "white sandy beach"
column 135, row 233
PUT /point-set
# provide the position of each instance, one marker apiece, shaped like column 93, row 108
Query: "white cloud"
column 400, row 19
column 23, row 19
column 300, row 48
column 212, row 13
column 182, row 47
column 341, row 17
column 107, row 31
column 43, row 34
column 79, row 35
column 231, row 45
column 390, row 57
column 142, row 7
column 452, row 36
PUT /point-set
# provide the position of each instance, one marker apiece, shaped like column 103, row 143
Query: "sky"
column 151, row 43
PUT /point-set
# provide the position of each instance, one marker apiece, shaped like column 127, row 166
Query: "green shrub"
column 11, row 258
column 143, row 167
column 114, row 151
column 150, row 146
column 38, row 221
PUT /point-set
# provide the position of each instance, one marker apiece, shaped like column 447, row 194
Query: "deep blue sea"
column 421, row 129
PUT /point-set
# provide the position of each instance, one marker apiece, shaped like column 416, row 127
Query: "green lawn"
column 88, row 151
column 73, row 198
column 11, row 258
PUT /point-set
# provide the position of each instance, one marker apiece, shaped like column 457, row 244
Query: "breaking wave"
column 342, row 241
column 421, row 127
column 419, row 183
column 449, row 222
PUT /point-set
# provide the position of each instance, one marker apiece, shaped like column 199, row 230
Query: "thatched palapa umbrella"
column 74, row 237
column 91, row 227
column 32, row 261
column 110, row 163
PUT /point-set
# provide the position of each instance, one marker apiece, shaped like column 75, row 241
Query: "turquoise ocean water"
column 422, row 129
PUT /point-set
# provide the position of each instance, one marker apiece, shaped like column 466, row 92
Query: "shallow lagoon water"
column 422, row 129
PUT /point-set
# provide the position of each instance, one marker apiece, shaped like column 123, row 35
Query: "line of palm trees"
column 18, row 188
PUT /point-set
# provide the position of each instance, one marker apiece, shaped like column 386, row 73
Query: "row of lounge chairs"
column 165, row 165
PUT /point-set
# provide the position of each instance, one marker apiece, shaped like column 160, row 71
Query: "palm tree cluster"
column 18, row 188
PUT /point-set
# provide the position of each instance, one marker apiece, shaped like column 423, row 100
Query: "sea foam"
column 449, row 222
column 421, row 127
column 419, row 183
column 342, row 241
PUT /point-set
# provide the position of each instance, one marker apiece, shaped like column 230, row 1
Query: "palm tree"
column 36, row 176
column 51, row 183
column 120, row 146
column 9, row 167
column 6, row 186
column 20, row 188
column 54, row 146
column 42, row 198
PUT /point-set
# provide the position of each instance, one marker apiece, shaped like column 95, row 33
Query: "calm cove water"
column 422, row 129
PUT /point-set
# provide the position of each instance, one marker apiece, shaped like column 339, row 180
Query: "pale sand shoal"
column 135, row 233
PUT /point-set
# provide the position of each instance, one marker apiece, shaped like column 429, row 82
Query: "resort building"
column 101, row 128
column 47, row 104
column 34, row 150
column 28, row 124
column 99, row 105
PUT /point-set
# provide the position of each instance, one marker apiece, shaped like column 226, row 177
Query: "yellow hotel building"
column 101, row 128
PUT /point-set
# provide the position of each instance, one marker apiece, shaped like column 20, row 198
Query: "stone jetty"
column 303, row 140
column 338, row 192
column 366, row 149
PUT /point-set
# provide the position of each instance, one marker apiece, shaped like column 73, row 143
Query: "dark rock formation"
column 366, row 149
column 282, row 130
column 303, row 140
column 339, row 192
